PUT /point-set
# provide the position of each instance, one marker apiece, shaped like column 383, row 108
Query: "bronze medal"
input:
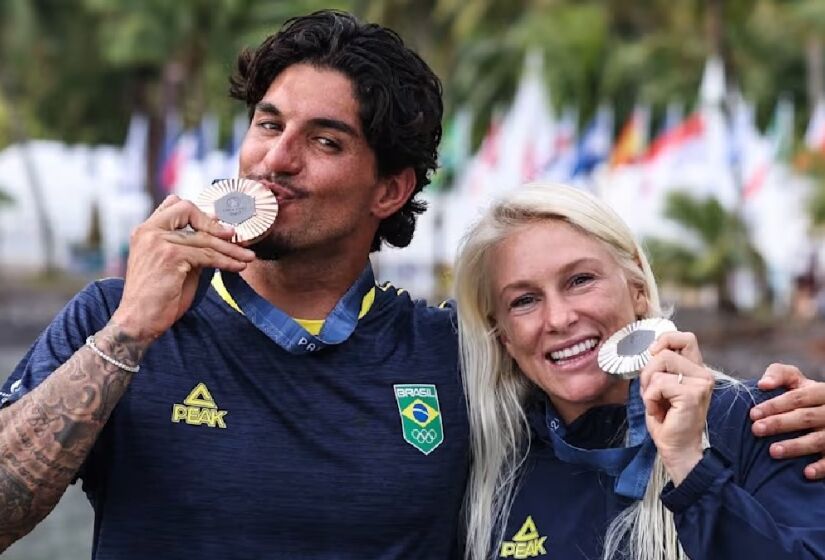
column 246, row 205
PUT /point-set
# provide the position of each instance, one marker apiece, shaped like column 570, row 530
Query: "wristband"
column 90, row 342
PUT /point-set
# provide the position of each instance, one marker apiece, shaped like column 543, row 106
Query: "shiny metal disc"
column 246, row 205
column 625, row 352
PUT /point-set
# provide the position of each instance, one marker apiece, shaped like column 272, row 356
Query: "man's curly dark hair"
column 398, row 94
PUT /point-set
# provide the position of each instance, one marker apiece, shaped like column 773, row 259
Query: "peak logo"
column 199, row 409
column 526, row 543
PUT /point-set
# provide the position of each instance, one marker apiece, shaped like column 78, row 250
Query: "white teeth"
column 574, row 350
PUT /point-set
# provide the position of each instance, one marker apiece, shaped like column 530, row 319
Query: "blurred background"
column 702, row 122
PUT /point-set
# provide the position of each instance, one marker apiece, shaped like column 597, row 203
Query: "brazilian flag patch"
column 420, row 416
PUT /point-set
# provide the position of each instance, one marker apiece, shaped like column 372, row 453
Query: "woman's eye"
column 522, row 301
column 581, row 279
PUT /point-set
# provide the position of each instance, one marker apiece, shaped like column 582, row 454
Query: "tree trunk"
column 816, row 81
column 724, row 301
column 44, row 224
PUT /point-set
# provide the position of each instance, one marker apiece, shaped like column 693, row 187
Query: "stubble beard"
column 274, row 247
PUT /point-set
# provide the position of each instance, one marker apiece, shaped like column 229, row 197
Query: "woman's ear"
column 640, row 303
column 498, row 332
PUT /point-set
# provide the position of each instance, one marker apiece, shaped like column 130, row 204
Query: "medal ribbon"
column 285, row 331
column 631, row 465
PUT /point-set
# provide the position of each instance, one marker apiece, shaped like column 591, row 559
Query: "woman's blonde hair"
column 497, row 390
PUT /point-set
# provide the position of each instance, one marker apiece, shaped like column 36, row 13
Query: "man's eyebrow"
column 265, row 107
column 335, row 124
column 319, row 122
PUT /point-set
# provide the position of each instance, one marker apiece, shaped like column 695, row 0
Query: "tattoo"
column 15, row 497
column 46, row 435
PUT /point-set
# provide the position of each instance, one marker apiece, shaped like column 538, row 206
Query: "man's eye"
column 328, row 143
column 269, row 125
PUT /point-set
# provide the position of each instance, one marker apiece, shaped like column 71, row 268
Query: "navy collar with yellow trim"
column 299, row 336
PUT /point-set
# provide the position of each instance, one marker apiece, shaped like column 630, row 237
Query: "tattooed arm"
column 46, row 435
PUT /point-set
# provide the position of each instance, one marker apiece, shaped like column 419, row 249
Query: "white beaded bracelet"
column 90, row 342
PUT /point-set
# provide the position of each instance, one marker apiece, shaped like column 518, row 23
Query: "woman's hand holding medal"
column 676, row 388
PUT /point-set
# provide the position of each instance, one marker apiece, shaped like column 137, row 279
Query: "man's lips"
column 281, row 192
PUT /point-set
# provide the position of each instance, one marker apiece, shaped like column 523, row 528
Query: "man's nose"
column 283, row 154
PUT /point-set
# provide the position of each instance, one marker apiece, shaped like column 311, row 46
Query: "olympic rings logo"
column 424, row 436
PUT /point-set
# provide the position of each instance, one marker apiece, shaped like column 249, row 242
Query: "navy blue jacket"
column 227, row 446
column 736, row 503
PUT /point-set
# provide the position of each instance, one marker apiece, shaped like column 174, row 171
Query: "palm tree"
column 16, row 37
column 721, row 248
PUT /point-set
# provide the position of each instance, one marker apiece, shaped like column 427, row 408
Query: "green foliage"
column 77, row 70
column 814, row 165
column 5, row 198
column 720, row 246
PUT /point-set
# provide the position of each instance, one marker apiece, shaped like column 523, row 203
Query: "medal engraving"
column 626, row 353
column 635, row 343
column 235, row 208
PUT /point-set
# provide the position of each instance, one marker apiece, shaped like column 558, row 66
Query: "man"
column 246, row 433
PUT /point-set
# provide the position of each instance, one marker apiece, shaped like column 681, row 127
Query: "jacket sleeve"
column 86, row 313
column 738, row 502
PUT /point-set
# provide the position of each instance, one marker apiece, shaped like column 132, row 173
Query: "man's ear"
column 393, row 193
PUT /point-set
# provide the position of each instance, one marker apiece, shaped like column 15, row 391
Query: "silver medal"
column 625, row 353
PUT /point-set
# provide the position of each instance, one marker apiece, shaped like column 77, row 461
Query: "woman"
column 571, row 462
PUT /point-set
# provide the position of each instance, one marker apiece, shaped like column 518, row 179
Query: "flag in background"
column 713, row 174
column 671, row 147
column 752, row 155
column 206, row 135
column 133, row 156
column 781, row 129
column 560, row 165
column 632, row 140
column 476, row 179
column 595, row 144
column 527, row 128
column 675, row 138
column 172, row 128
column 240, row 124
column 454, row 150
column 674, row 115
column 178, row 148
column 815, row 134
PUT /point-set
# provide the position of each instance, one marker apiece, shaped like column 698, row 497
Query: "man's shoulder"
column 399, row 317
column 734, row 397
column 729, row 418
column 392, row 296
column 105, row 289
column 97, row 300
